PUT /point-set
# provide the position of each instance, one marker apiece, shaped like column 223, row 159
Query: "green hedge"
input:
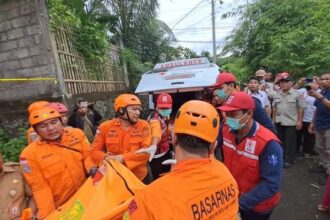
column 11, row 148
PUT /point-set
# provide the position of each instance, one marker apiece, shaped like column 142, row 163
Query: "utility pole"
column 213, row 34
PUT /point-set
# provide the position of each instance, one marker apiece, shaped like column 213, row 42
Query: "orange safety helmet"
column 125, row 100
column 36, row 105
column 43, row 114
column 60, row 107
column 199, row 119
column 164, row 100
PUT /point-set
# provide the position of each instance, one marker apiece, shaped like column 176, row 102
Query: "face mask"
column 234, row 124
column 221, row 94
column 165, row 112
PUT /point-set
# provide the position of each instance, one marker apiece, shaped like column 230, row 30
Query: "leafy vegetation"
column 286, row 35
column 11, row 148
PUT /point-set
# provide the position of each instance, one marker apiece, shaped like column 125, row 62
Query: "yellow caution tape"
column 28, row 79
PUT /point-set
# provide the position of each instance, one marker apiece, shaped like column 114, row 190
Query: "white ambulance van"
column 184, row 80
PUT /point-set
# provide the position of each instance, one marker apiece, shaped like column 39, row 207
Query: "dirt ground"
column 301, row 193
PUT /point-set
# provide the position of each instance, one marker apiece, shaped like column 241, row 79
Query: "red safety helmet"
column 60, row 107
column 224, row 77
column 164, row 100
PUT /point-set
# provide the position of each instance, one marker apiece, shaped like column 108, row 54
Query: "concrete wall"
column 26, row 52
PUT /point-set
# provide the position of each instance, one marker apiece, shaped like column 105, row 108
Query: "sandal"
column 323, row 208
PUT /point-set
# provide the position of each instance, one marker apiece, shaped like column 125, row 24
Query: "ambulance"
column 184, row 80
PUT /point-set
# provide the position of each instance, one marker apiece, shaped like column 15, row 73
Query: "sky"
column 197, row 25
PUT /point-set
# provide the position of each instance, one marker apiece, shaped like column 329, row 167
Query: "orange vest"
column 194, row 189
column 243, row 161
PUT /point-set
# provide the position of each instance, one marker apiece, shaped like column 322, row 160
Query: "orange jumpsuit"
column 55, row 171
column 113, row 139
column 194, row 189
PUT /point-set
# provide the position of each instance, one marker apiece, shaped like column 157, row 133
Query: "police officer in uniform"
column 288, row 112
column 15, row 195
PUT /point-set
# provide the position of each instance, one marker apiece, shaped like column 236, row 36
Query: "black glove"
column 92, row 171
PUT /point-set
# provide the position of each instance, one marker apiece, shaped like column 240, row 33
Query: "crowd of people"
column 221, row 158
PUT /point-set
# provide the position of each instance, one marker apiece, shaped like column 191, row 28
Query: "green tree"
column 177, row 53
column 286, row 35
column 136, row 25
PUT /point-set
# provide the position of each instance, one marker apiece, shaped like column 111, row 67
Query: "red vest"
column 163, row 145
column 243, row 161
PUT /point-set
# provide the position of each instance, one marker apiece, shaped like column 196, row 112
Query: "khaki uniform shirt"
column 13, row 192
column 287, row 106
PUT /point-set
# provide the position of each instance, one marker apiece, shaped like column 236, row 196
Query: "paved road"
column 301, row 194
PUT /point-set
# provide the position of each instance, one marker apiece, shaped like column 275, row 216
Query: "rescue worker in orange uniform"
column 121, row 137
column 253, row 154
column 31, row 135
column 57, row 164
column 198, row 186
column 161, row 134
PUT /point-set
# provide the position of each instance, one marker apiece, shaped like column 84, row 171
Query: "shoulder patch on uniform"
column 25, row 165
column 272, row 159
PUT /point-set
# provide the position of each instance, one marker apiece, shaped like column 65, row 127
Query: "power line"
column 188, row 13
column 199, row 42
column 202, row 28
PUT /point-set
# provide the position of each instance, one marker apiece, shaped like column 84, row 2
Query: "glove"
column 150, row 150
column 92, row 171
column 169, row 162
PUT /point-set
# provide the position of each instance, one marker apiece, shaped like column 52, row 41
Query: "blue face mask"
column 221, row 94
column 234, row 124
column 165, row 112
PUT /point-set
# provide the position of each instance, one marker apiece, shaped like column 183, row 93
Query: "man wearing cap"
column 253, row 155
column 226, row 84
column 198, row 186
column 265, row 83
column 57, row 163
column 288, row 112
column 161, row 134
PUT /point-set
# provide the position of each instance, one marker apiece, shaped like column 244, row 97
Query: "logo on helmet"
column 230, row 99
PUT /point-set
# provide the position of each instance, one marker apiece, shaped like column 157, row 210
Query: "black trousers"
column 305, row 139
column 288, row 136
